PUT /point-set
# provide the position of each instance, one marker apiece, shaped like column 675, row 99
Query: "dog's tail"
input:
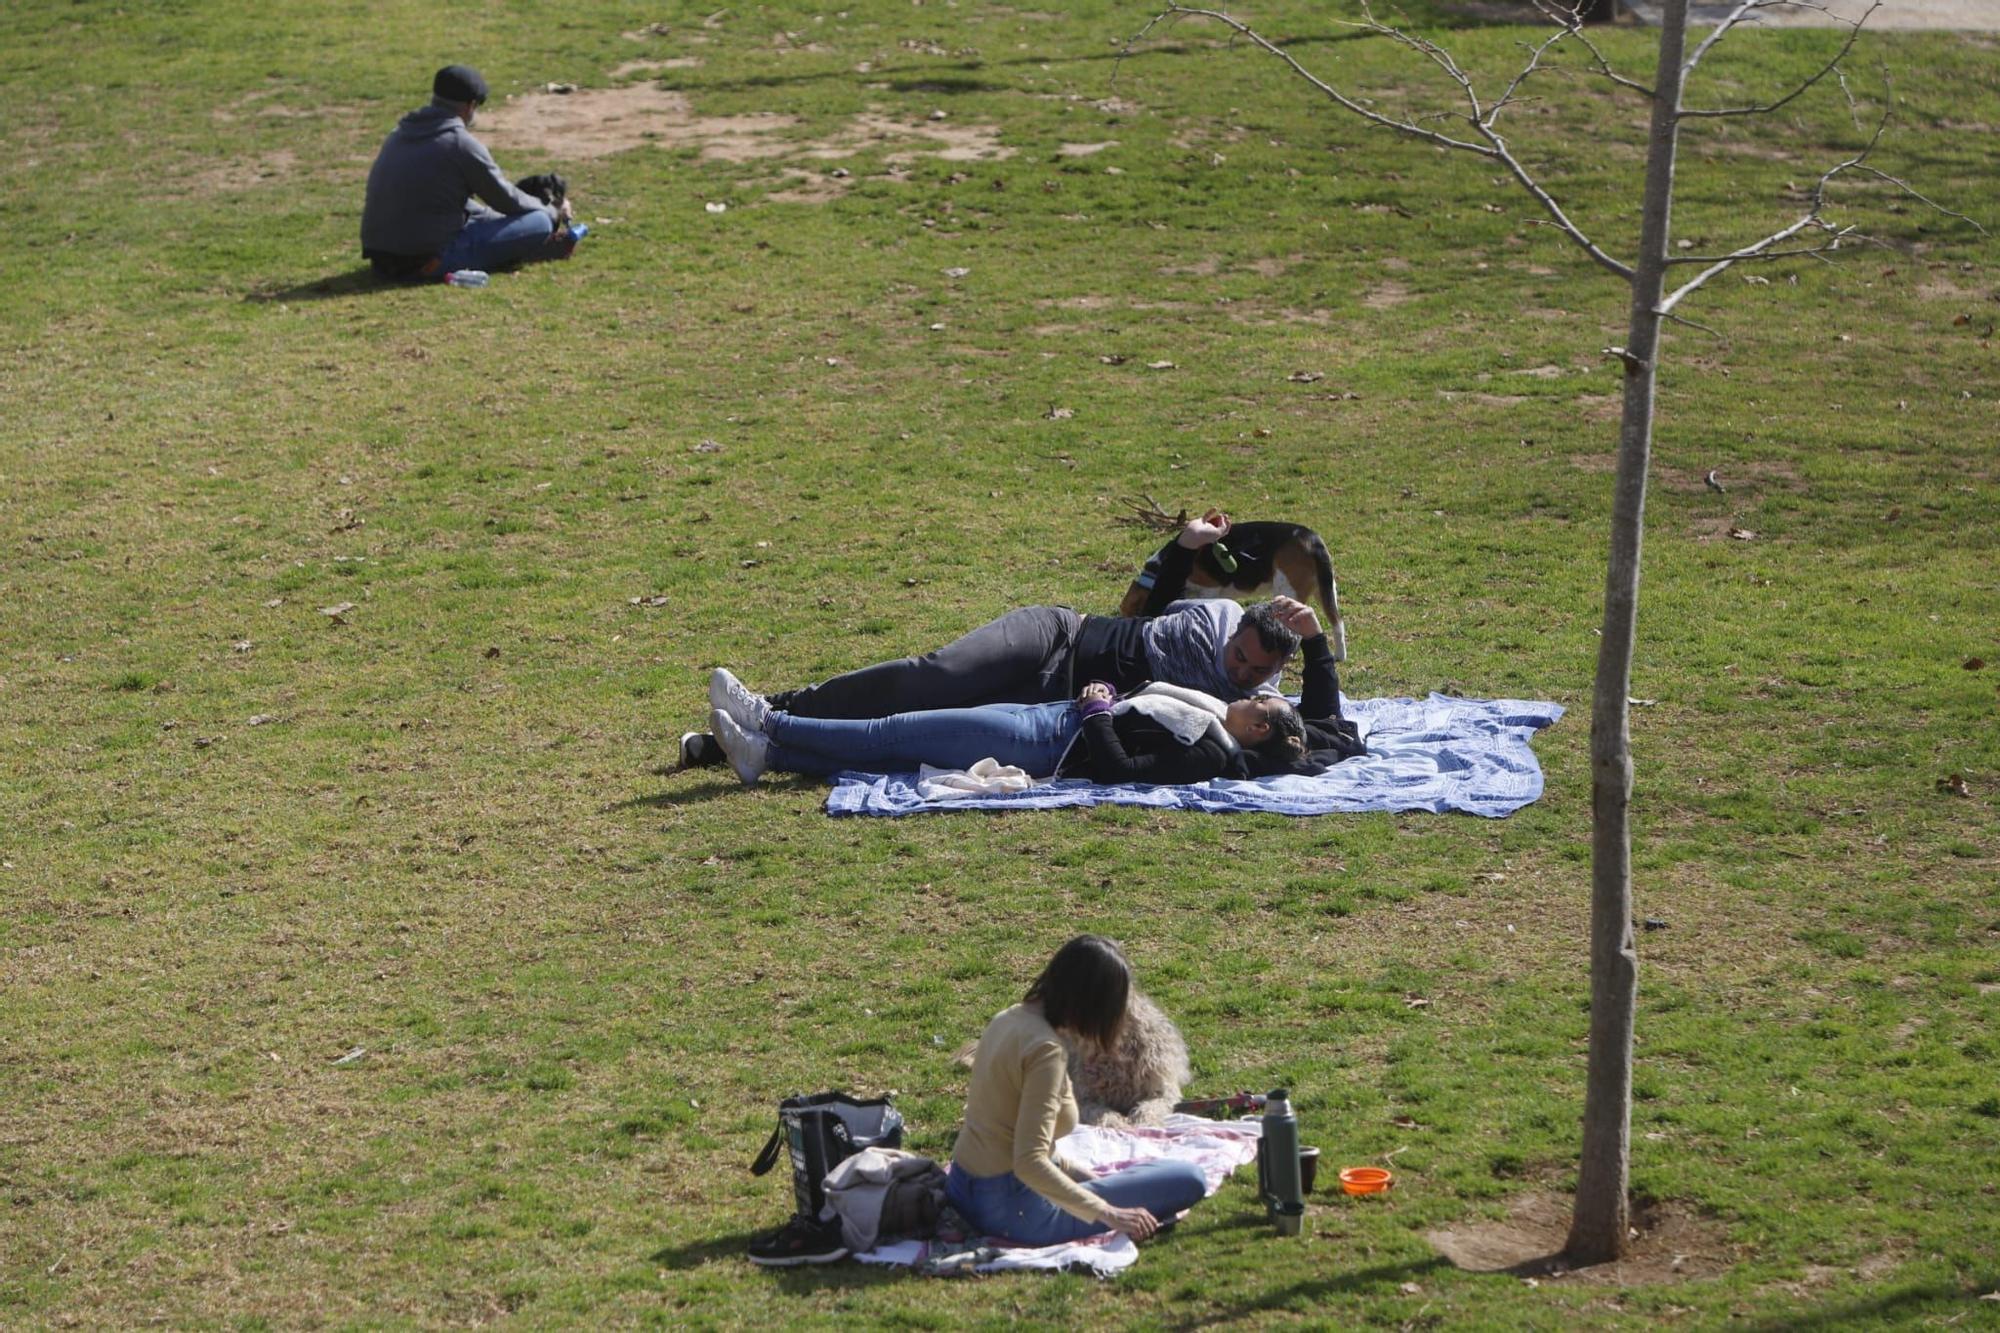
column 1329, row 598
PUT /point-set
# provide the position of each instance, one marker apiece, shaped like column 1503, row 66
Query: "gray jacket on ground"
column 429, row 166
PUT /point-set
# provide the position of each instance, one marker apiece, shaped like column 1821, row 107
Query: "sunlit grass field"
column 377, row 970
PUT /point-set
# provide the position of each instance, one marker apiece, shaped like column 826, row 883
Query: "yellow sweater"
column 1019, row 1103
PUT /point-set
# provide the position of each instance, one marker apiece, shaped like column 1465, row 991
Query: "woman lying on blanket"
column 1006, row 1175
column 1162, row 734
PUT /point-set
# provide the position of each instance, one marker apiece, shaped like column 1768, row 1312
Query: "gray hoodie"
column 417, row 190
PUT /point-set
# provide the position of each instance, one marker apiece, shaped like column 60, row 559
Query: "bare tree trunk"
column 1600, row 1225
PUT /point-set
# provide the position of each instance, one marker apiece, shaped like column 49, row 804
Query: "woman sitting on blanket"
column 1160, row 734
column 1006, row 1175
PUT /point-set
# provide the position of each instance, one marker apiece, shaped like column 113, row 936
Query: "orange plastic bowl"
column 1365, row 1179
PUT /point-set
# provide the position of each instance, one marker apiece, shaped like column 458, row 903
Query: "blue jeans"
column 1029, row 736
column 1002, row 1206
column 491, row 241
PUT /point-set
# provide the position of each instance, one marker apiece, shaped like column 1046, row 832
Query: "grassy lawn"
column 240, row 840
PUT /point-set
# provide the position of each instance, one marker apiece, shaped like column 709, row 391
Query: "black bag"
column 822, row 1131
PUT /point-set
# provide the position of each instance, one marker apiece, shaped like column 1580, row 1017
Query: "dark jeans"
column 1021, row 658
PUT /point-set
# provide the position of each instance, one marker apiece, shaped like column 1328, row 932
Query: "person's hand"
column 566, row 212
column 1297, row 617
column 1134, row 1222
column 1210, row 528
column 1098, row 690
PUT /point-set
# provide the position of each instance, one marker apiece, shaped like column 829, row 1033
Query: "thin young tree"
column 1600, row 1222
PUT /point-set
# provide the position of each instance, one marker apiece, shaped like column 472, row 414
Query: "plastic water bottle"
column 1284, row 1192
column 467, row 277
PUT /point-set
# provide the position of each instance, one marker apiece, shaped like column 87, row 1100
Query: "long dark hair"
column 1284, row 746
column 1083, row 990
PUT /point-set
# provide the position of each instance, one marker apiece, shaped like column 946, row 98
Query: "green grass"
column 582, row 982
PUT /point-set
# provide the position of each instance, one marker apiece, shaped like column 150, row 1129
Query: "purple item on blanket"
column 1438, row 754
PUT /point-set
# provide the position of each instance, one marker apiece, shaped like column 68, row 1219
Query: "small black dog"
column 548, row 187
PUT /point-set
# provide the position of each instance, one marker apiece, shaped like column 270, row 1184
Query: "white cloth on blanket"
column 1218, row 1147
column 1188, row 715
column 985, row 778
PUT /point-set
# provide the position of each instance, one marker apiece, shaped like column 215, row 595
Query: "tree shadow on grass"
column 1894, row 1307
column 355, row 282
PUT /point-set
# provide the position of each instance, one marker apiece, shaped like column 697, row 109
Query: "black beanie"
column 459, row 83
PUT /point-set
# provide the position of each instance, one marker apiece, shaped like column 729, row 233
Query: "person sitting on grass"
column 418, row 223
column 1007, row 1177
column 1161, row 734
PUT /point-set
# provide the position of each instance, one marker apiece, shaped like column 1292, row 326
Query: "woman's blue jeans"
column 1029, row 736
column 1002, row 1206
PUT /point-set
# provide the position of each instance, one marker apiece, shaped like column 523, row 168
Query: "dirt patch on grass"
column 245, row 174
column 601, row 121
column 1200, row 268
column 597, row 122
column 1599, row 407
column 1674, row 1244
column 1384, row 295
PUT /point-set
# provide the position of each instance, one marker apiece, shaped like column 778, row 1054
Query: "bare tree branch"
column 1722, row 29
column 1334, row 94
column 1831, row 67
column 1495, row 146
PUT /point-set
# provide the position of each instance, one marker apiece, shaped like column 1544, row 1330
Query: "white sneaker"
column 726, row 694
column 749, row 751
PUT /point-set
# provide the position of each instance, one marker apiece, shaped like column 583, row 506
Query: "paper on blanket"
column 1100, row 1255
column 1437, row 754
column 987, row 777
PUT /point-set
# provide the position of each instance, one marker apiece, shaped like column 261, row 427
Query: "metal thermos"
column 1278, row 1152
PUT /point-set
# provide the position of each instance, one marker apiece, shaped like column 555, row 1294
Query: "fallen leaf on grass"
column 274, row 603
column 1642, row 703
column 346, row 520
column 1961, row 321
column 558, row 87
column 244, row 646
column 708, row 447
column 260, row 719
column 1743, row 534
column 492, row 653
column 1114, row 359
column 352, row 1056
column 1954, row 785
column 714, row 207
column 957, row 272
column 1411, row 1288
column 1404, row 1122
column 1305, row 377
column 656, row 599
column 1160, row 365
column 1344, row 396
column 1975, row 663
column 337, row 611
column 203, row 742
column 1415, row 1002
column 1058, row 414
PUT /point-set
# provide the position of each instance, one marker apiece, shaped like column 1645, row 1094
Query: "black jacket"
column 1131, row 747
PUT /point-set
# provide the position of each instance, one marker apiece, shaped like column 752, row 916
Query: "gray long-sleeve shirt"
column 429, row 166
